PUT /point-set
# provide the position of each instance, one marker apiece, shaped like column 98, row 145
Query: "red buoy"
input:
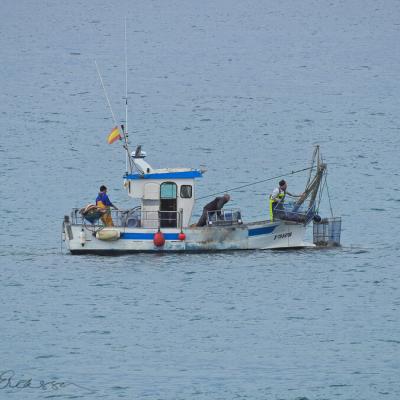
column 159, row 239
column 181, row 236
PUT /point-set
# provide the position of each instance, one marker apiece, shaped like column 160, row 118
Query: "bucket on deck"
column 327, row 232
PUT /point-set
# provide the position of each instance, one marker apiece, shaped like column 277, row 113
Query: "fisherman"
column 212, row 207
column 277, row 199
column 102, row 201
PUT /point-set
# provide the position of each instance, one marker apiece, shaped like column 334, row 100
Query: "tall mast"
column 126, row 104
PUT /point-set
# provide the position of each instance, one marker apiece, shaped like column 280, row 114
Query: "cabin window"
column 186, row 191
column 168, row 190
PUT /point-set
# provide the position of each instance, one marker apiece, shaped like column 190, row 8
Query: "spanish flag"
column 114, row 135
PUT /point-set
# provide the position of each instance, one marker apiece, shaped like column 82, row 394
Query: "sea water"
column 243, row 90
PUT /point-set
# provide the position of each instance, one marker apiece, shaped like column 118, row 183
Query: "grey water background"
column 243, row 89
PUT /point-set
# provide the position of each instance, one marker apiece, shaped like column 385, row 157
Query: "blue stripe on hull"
column 174, row 236
column 146, row 236
column 262, row 231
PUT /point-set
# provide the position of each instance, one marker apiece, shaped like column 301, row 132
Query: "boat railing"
column 132, row 218
column 159, row 219
column 231, row 216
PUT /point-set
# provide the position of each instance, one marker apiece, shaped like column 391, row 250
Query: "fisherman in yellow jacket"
column 277, row 198
column 102, row 201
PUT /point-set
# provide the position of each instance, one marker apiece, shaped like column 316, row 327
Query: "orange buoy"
column 159, row 239
column 181, row 236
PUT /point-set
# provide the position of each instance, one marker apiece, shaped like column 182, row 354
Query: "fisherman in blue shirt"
column 102, row 201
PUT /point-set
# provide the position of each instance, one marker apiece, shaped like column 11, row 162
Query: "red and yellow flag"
column 114, row 135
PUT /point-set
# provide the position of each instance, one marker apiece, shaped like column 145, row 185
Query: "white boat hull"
column 257, row 235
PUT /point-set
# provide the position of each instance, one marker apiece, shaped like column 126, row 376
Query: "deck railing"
column 224, row 217
column 133, row 218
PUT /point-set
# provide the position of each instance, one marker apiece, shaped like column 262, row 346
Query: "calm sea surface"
column 243, row 89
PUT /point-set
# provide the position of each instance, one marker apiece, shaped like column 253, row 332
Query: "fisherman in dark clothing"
column 215, row 205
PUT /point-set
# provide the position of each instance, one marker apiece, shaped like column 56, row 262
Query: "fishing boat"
column 162, row 219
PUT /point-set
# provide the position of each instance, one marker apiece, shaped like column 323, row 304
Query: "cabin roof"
column 167, row 173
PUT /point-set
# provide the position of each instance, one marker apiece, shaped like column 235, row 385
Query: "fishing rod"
column 105, row 94
column 255, row 183
column 123, row 129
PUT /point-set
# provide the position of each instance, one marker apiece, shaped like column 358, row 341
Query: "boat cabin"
column 166, row 195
